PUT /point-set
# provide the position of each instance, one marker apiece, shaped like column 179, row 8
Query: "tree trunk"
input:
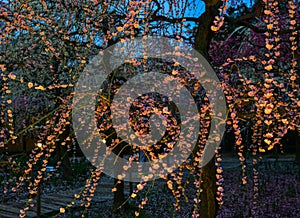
column 297, row 144
column 119, row 197
column 66, row 164
column 208, row 206
column 204, row 34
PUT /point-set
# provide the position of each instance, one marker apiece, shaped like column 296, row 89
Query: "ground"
column 278, row 193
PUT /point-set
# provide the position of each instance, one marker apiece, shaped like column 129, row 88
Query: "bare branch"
column 173, row 20
column 244, row 23
column 155, row 17
column 255, row 28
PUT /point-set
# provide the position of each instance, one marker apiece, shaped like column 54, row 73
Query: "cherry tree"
column 45, row 46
